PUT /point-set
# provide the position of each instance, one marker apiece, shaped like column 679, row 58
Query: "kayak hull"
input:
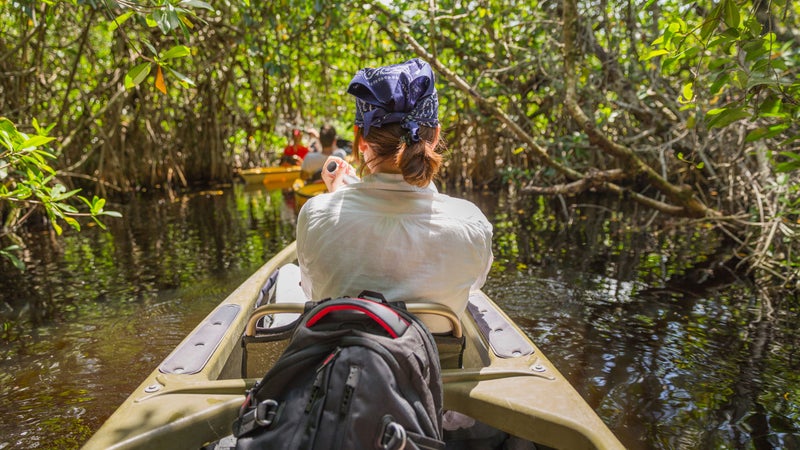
column 505, row 381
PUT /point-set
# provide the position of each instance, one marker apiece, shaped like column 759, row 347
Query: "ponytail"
column 419, row 162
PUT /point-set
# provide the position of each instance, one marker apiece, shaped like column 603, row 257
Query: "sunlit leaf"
column 652, row 54
column 721, row 117
column 98, row 204
column 188, row 23
column 137, row 75
column 687, row 93
column 59, row 196
column 72, row 222
column 119, row 20
column 178, row 51
column 36, row 141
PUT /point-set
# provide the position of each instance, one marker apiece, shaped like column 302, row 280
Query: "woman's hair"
column 419, row 162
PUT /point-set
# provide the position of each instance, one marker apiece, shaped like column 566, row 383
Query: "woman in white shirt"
column 393, row 232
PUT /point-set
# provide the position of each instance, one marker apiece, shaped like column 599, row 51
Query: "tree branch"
column 682, row 195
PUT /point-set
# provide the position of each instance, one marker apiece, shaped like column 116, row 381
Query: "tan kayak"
column 192, row 398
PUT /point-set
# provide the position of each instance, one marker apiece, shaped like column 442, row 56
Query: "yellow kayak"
column 271, row 176
column 304, row 191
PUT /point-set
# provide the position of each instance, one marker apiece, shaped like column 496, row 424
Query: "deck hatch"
column 504, row 339
column 192, row 355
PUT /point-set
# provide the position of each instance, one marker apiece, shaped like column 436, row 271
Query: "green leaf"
column 65, row 208
column 119, row 20
column 766, row 132
column 789, row 166
column 761, row 81
column 150, row 47
column 687, row 93
column 771, row 107
column 65, row 195
column 137, row 75
column 652, row 54
column 7, row 253
column 710, row 24
column 72, row 222
column 183, row 78
column 162, row 20
column 794, row 156
column 7, row 126
column 99, row 223
column 56, row 226
column 178, row 51
column 198, row 4
column 719, row 83
column 732, row 17
column 35, row 141
column 721, row 117
column 98, row 203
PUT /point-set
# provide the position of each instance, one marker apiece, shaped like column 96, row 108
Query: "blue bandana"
column 401, row 93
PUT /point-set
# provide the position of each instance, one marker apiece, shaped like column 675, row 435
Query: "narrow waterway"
column 666, row 358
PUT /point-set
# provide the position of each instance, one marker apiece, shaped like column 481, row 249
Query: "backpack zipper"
column 316, row 388
column 349, row 388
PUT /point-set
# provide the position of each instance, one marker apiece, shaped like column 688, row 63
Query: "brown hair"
column 327, row 135
column 418, row 162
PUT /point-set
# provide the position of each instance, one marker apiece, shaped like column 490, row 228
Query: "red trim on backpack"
column 311, row 321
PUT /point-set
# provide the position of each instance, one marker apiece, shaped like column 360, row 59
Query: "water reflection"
column 666, row 356
column 95, row 312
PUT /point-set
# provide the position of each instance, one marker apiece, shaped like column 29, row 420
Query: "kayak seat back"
column 272, row 328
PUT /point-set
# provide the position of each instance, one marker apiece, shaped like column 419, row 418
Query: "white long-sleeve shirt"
column 385, row 235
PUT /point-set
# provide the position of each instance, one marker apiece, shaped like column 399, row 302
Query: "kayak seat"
column 282, row 295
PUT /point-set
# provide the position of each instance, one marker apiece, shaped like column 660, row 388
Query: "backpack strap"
column 383, row 314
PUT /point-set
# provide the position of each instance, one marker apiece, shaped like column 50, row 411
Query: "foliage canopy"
column 690, row 109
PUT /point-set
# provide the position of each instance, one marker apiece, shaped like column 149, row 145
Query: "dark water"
column 668, row 358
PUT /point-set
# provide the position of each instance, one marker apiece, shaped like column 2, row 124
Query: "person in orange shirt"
column 294, row 153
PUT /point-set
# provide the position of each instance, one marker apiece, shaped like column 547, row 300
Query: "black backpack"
column 356, row 374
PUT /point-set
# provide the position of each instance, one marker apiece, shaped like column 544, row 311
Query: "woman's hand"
column 341, row 172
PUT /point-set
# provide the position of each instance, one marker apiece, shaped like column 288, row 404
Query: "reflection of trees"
column 162, row 244
column 652, row 329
